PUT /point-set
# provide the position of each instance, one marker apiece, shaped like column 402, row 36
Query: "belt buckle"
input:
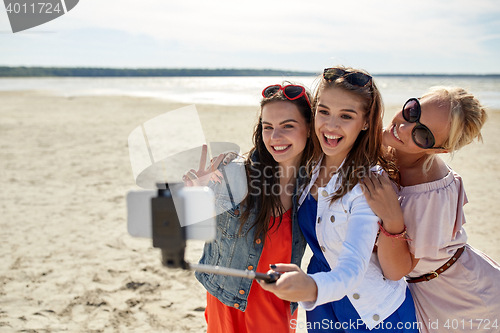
column 432, row 275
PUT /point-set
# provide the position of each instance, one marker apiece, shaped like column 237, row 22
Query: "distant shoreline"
column 183, row 72
column 139, row 72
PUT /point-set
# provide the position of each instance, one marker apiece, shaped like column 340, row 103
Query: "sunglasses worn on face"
column 421, row 134
column 291, row 92
column 355, row 78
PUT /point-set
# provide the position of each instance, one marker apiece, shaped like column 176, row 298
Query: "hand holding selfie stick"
column 170, row 237
column 269, row 278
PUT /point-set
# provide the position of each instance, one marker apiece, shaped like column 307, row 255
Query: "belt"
column 440, row 270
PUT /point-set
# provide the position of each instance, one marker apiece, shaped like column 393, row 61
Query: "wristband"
column 403, row 235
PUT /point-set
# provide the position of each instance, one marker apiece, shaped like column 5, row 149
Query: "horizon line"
column 4, row 72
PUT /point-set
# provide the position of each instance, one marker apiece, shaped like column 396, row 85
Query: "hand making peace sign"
column 203, row 176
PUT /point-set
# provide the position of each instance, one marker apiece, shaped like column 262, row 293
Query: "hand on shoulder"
column 383, row 200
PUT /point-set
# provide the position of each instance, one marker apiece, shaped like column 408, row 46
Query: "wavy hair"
column 260, row 161
column 367, row 151
column 467, row 117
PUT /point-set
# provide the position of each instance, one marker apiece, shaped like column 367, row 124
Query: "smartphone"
column 194, row 206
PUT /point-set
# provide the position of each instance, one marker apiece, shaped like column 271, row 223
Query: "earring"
column 365, row 128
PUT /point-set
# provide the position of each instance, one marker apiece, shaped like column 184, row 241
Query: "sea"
column 241, row 90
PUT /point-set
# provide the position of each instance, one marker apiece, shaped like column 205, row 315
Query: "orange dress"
column 265, row 312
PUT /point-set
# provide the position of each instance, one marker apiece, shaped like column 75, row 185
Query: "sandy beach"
column 67, row 261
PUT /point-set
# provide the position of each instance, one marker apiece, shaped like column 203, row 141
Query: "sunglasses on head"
column 355, row 78
column 421, row 134
column 291, row 92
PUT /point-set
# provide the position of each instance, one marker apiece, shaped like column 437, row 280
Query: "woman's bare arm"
column 393, row 253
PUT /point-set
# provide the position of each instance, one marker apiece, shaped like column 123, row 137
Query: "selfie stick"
column 269, row 278
column 170, row 237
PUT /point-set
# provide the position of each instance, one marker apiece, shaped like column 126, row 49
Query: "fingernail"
column 273, row 266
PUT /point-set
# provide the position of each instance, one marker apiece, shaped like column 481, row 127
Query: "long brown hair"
column 367, row 151
column 263, row 171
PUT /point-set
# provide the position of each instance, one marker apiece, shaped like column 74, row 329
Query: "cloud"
column 294, row 26
column 292, row 33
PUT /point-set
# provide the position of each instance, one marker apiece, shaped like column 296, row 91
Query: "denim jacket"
column 235, row 250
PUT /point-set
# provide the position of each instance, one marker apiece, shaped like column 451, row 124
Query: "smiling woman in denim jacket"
column 345, row 290
column 256, row 203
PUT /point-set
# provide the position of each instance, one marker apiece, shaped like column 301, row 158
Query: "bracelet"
column 403, row 235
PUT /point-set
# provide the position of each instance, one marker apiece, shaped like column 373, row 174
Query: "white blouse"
column 346, row 231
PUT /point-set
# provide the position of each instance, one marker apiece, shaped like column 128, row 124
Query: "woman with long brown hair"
column 345, row 290
column 263, row 227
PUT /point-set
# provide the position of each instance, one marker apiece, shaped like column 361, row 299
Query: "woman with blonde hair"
column 455, row 287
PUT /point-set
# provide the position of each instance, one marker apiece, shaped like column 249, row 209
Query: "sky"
column 381, row 36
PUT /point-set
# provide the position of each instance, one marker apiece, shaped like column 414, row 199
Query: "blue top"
column 307, row 222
